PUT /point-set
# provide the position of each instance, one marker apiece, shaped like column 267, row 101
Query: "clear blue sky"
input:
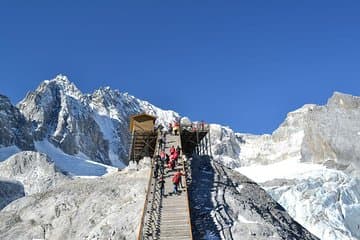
column 244, row 64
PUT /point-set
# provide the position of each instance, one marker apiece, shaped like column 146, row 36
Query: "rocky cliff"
column 14, row 129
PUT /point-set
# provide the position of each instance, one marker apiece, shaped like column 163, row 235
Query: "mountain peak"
column 343, row 100
column 63, row 83
column 107, row 89
column 62, row 78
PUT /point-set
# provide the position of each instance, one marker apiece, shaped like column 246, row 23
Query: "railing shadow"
column 202, row 182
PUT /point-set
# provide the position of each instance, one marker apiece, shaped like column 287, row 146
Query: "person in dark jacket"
column 161, row 183
column 170, row 128
column 156, row 168
column 178, row 150
column 162, row 142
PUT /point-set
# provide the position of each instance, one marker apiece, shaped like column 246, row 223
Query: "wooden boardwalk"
column 175, row 216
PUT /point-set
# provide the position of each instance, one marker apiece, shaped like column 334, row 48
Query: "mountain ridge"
column 91, row 124
column 318, row 141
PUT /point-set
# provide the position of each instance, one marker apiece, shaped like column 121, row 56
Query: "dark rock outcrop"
column 229, row 205
column 14, row 129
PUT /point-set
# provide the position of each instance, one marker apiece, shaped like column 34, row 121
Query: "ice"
column 79, row 165
column 325, row 201
column 287, row 169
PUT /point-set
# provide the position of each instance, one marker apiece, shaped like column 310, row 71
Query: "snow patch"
column 287, row 169
column 78, row 166
column 244, row 220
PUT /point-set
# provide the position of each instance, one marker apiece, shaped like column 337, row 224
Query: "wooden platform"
column 190, row 139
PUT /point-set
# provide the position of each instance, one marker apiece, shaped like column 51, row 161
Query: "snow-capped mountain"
column 310, row 164
column 90, row 126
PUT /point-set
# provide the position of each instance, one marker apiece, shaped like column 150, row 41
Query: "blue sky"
column 244, row 64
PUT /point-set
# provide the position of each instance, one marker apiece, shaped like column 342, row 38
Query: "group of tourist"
column 167, row 162
column 174, row 128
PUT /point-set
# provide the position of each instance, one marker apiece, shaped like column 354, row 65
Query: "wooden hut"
column 144, row 137
column 142, row 123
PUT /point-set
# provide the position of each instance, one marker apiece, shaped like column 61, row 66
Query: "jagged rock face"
column 318, row 134
column 94, row 124
column 35, row 171
column 14, row 129
column 333, row 133
column 326, row 134
column 59, row 113
column 101, row 208
column 111, row 112
column 225, row 140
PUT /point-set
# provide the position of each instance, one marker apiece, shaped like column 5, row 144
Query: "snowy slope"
column 102, row 208
column 76, row 165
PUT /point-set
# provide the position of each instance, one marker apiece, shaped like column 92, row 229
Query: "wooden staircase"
column 166, row 217
column 175, row 215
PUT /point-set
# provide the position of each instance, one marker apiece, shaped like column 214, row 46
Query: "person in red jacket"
column 172, row 149
column 176, row 180
column 171, row 164
column 174, row 157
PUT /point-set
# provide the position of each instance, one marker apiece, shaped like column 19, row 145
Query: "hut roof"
column 140, row 118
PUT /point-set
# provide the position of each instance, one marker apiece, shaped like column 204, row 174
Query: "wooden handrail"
column 141, row 227
column 187, row 199
column 186, row 186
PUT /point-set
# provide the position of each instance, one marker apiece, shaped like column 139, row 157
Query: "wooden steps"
column 175, row 216
column 166, row 217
